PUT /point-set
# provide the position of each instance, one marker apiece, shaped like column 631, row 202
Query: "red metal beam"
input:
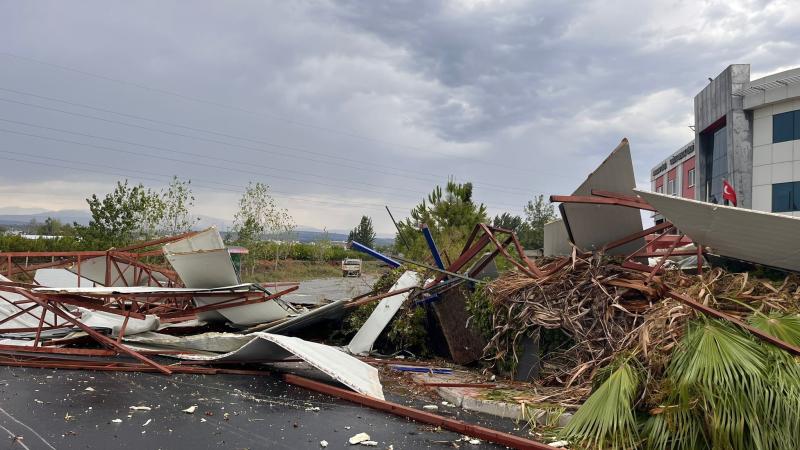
column 658, row 238
column 357, row 303
column 505, row 253
column 609, row 194
column 635, row 236
column 462, row 260
column 509, row 440
column 165, row 240
column 599, row 201
column 636, row 266
column 686, row 300
column 646, row 254
column 91, row 303
column 476, row 270
column 662, row 260
column 226, row 305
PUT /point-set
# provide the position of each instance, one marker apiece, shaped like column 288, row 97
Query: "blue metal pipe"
column 375, row 254
column 432, row 245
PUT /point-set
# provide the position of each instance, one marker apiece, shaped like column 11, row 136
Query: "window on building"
column 783, row 127
column 690, row 177
column 797, row 124
column 660, row 189
column 671, row 187
column 783, row 197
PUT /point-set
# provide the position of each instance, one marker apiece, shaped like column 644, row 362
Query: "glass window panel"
column 782, row 194
column 797, row 124
column 783, row 127
column 796, row 196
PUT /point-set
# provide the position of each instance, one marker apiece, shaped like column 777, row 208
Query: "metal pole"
column 397, row 227
column 432, row 246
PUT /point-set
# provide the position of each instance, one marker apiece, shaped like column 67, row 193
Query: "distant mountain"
column 22, row 216
column 64, row 215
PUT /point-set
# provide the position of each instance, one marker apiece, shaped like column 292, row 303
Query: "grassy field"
column 292, row 270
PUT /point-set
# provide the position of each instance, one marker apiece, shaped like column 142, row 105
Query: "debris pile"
column 603, row 309
column 622, row 322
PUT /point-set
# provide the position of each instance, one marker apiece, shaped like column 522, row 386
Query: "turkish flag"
column 728, row 193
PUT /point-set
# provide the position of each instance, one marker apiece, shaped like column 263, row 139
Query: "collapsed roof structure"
column 591, row 225
column 120, row 310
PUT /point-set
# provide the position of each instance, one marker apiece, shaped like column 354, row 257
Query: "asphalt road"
column 45, row 409
column 321, row 290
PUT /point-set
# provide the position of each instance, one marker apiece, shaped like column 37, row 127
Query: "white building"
column 747, row 132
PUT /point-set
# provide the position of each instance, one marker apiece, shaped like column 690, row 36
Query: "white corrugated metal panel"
column 592, row 226
column 62, row 278
column 100, row 320
column 308, row 318
column 208, row 239
column 204, row 269
column 756, row 236
column 365, row 337
column 94, row 269
column 28, row 320
column 258, row 347
column 200, row 266
column 103, row 290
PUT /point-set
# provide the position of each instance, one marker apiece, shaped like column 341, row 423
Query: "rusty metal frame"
column 55, row 307
column 481, row 236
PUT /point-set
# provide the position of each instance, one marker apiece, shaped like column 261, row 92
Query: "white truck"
column 351, row 267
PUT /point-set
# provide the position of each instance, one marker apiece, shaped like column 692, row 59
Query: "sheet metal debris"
column 202, row 261
column 266, row 347
column 590, row 226
column 366, row 336
column 744, row 234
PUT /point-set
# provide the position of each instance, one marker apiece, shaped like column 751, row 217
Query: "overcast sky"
column 343, row 107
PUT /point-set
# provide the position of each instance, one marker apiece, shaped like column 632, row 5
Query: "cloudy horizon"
column 344, row 107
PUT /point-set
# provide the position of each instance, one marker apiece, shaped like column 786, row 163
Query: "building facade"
column 746, row 132
column 676, row 175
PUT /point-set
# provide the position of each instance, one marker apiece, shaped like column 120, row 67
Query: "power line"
column 213, row 158
column 183, row 161
column 149, row 177
column 170, row 150
column 433, row 177
column 161, row 157
column 72, row 113
column 348, row 133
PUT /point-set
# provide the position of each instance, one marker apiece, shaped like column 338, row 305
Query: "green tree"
column 322, row 246
column 126, row 215
column 363, row 233
column 508, row 222
column 259, row 215
column 450, row 214
column 54, row 227
column 178, row 200
column 538, row 212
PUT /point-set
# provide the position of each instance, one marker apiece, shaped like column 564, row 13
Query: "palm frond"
column 783, row 327
column 728, row 391
column 607, row 419
column 676, row 427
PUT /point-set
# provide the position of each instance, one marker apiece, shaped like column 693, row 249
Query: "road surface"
column 45, row 409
